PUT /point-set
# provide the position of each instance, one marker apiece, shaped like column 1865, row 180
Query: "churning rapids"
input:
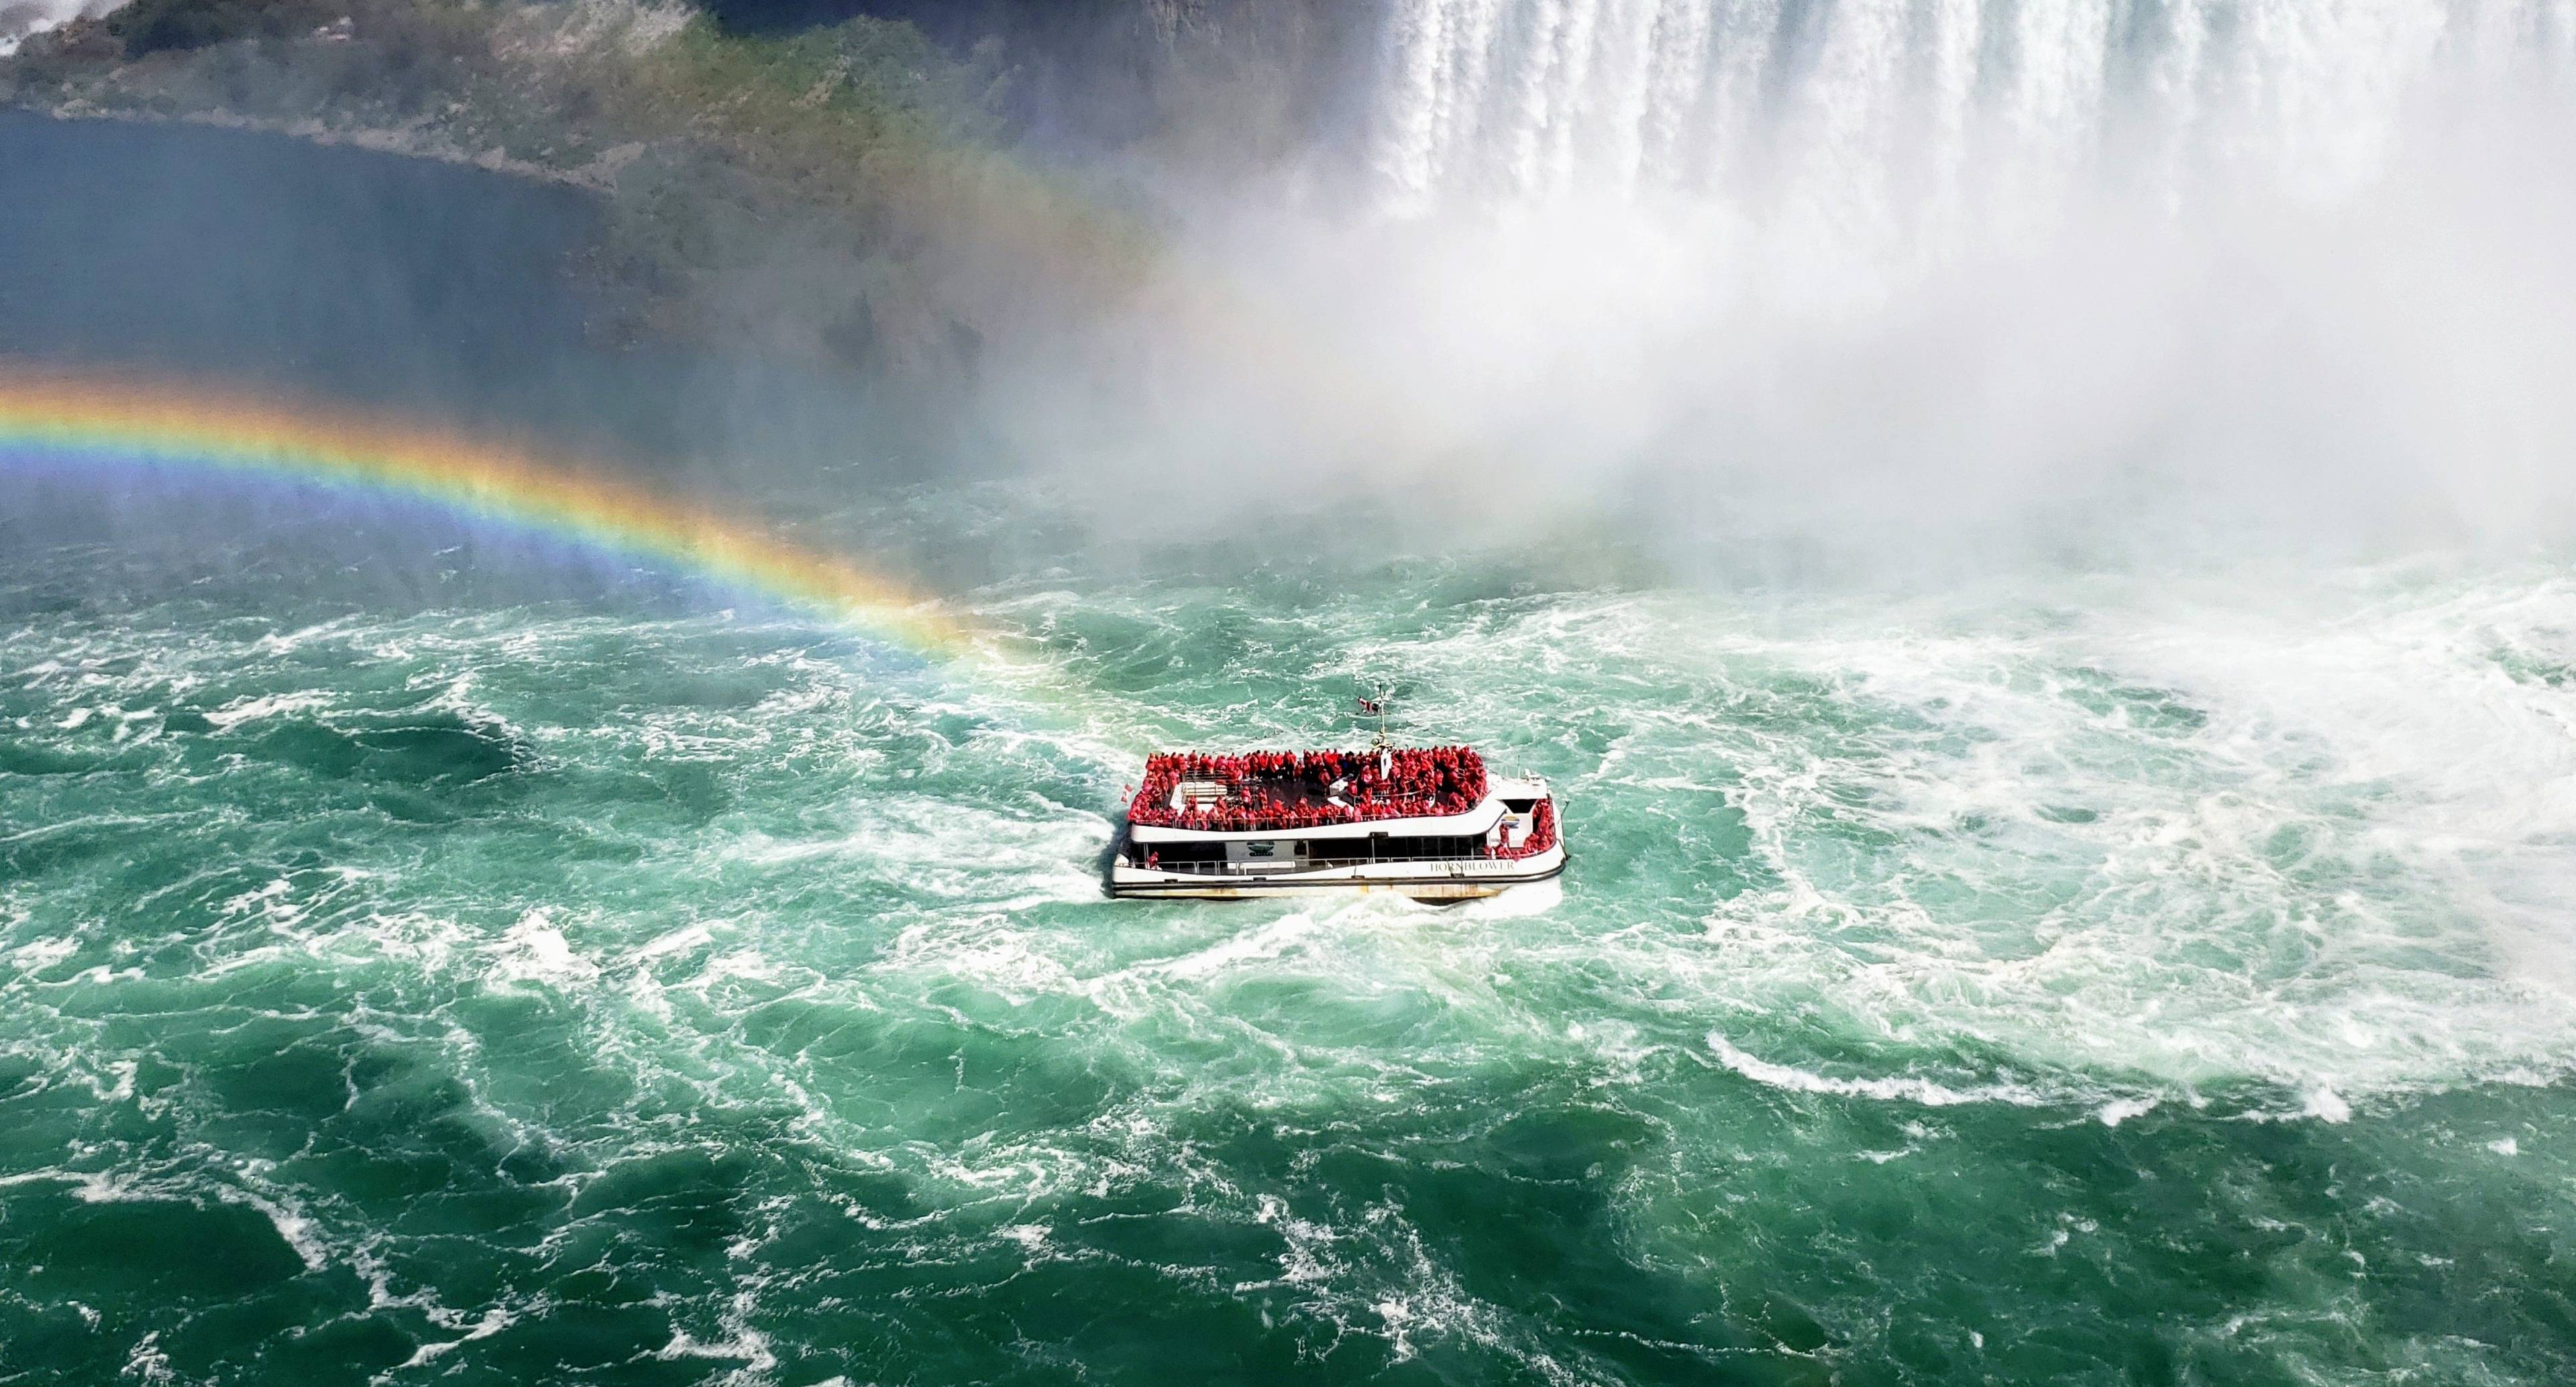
column 2116, row 981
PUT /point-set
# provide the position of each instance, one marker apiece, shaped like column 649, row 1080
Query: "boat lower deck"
column 1432, row 879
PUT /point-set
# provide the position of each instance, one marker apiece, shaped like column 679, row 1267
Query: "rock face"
column 887, row 145
column 20, row 19
column 844, row 197
column 1214, row 88
column 920, row 206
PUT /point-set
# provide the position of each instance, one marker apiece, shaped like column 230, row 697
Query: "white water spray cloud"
column 1876, row 281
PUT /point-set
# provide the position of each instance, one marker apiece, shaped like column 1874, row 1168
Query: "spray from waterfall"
column 1786, row 285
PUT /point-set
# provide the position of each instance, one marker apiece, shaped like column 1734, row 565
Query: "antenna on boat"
column 1374, row 702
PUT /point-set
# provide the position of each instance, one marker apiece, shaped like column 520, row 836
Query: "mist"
column 1756, row 291
column 2295, row 289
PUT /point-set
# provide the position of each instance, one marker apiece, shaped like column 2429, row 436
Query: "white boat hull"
column 1452, row 879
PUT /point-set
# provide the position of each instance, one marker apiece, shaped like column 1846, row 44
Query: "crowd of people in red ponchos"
column 1311, row 789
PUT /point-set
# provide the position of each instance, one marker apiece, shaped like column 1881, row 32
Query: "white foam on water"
column 39, row 954
column 2359, row 753
column 260, row 707
column 1385, row 1283
column 685, row 940
column 2120, row 1110
column 1263, row 944
column 1030, row 1236
column 991, row 952
column 287, row 642
column 87, row 1186
column 149, row 1363
column 492, row 1321
column 1909, row 1090
column 749, row 1346
column 426, row 942
column 2249, row 828
column 944, row 849
column 186, row 1180
column 293, row 1228
column 1519, row 903
column 535, row 951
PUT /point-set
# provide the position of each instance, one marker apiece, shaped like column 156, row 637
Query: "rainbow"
column 60, row 416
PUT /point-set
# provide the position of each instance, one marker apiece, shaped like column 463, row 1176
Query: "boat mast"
column 1375, row 702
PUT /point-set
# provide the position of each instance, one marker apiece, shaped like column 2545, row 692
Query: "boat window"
column 1520, row 806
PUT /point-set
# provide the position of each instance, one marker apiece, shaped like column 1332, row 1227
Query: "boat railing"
column 1222, row 868
column 1269, row 871
column 1294, row 866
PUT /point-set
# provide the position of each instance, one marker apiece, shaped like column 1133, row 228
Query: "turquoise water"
column 434, row 959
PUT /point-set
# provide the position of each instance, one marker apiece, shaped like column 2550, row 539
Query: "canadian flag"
column 1368, row 705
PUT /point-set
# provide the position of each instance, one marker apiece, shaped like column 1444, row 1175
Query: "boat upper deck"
column 1250, row 792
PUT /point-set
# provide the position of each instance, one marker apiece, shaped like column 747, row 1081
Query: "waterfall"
column 1865, row 111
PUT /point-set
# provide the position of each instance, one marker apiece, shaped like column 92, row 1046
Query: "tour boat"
column 1425, row 822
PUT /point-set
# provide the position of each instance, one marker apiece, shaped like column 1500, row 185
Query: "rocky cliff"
column 891, row 190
